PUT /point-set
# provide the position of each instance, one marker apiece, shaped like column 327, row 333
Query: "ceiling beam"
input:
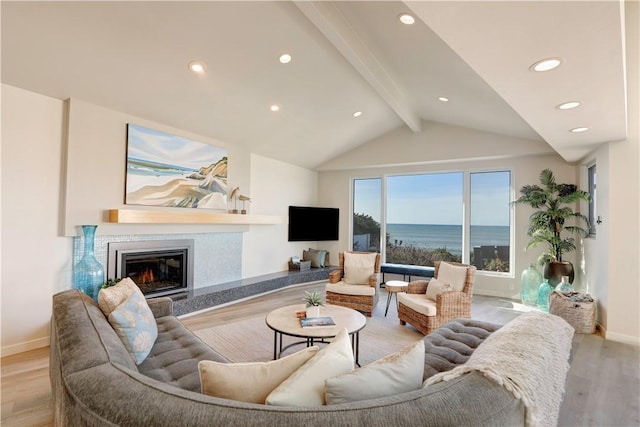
column 335, row 27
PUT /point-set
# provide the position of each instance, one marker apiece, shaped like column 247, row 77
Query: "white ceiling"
column 347, row 57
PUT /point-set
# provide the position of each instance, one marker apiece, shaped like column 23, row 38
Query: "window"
column 593, row 219
column 424, row 218
column 490, row 219
column 452, row 216
column 367, row 206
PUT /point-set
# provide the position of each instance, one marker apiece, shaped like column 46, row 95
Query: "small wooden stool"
column 393, row 287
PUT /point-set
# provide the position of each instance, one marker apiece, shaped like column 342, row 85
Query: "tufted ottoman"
column 451, row 344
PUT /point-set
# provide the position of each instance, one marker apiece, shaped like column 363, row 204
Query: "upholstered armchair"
column 355, row 284
column 427, row 305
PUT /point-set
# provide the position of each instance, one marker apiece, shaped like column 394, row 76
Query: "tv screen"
column 313, row 224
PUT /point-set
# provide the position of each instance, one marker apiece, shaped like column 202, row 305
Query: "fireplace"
column 158, row 267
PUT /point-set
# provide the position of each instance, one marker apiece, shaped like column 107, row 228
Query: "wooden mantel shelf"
column 133, row 216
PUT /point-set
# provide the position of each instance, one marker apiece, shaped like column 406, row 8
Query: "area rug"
column 251, row 340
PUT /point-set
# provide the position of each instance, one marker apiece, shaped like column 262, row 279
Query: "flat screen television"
column 313, row 224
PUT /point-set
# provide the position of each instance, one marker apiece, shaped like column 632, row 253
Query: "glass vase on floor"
column 529, row 283
column 543, row 295
column 564, row 286
column 88, row 273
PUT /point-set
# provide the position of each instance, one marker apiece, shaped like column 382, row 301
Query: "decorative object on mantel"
column 554, row 203
column 313, row 299
column 88, row 273
column 244, row 199
column 172, row 171
column 234, row 196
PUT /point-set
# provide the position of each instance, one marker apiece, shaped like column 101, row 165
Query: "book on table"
column 310, row 322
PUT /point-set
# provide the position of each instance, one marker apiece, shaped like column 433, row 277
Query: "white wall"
column 335, row 185
column 95, row 178
column 274, row 186
column 35, row 260
column 617, row 247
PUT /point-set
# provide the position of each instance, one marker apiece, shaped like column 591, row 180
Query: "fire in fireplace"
column 158, row 267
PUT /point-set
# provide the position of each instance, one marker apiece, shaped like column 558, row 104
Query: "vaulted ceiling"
column 347, row 57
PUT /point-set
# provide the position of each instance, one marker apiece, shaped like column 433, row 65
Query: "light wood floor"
column 603, row 387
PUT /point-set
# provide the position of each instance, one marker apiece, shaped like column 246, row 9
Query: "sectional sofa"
column 95, row 381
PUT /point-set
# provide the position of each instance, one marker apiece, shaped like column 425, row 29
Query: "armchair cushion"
column 435, row 288
column 454, row 275
column 418, row 303
column 345, row 289
column 359, row 267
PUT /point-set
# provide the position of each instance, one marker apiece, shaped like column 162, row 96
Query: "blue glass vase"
column 529, row 283
column 88, row 273
column 543, row 295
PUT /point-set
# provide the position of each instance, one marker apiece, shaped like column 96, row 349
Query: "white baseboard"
column 625, row 339
column 24, row 346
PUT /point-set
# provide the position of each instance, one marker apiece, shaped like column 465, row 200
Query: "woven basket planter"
column 580, row 314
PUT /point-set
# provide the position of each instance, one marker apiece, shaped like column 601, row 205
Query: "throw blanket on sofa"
column 529, row 357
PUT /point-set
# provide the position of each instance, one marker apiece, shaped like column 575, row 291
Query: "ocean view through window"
column 424, row 218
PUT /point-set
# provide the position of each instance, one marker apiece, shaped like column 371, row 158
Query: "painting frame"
column 165, row 170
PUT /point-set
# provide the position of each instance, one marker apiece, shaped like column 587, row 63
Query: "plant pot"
column 553, row 271
column 313, row 311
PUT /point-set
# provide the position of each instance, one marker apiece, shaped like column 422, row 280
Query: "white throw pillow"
column 397, row 373
column 130, row 316
column 436, row 287
column 454, row 275
column 305, row 387
column 111, row 297
column 358, row 268
column 249, row 382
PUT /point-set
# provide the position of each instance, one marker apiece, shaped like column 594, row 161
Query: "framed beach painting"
column 171, row 171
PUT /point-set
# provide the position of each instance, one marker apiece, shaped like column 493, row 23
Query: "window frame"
column 466, row 214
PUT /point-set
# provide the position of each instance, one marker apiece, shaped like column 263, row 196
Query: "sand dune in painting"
column 206, row 188
column 182, row 192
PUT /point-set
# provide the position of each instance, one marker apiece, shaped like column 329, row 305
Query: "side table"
column 393, row 287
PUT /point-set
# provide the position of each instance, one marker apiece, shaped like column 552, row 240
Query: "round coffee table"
column 283, row 321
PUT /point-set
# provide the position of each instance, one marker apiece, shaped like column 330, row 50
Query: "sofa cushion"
column 343, row 288
column 131, row 318
column 418, row 302
column 250, row 382
column 453, row 343
column 358, row 268
column 454, row 275
column 397, row 373
column 305, row 387
column 435, row 288
column 175, row 355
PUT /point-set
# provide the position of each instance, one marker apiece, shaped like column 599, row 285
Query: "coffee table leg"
column 275, row 345
column 388, row 301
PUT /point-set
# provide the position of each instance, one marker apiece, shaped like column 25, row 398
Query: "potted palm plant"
column 554, row 223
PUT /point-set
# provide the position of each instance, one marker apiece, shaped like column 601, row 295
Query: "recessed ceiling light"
column 357, row 114
column 406, row 18
column 197, row 67
column 546, row 64
column 568, row 105
column 275, row 107
column 578, row 130
column 443, row 99
column 285, row 58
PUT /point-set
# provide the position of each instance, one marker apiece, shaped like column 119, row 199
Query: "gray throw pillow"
column 316, row 257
